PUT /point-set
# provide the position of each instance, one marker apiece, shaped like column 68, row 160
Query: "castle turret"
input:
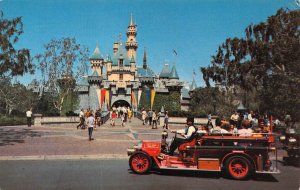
column 97, row 61
column 131, row 44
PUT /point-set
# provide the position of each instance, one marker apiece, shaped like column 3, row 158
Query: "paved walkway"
column 64, row 141
column 59, row 141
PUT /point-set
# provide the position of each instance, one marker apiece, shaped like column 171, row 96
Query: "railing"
column 177, row 120
column 105, row 116
column 138, row 115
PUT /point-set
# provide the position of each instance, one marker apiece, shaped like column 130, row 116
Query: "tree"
column 210, row 99
column 12, row 61
column 170, row 101
column 62, row 64
column 268, row 55
column 15, row 96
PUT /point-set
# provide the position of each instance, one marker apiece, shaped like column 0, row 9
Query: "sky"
column 193, row 28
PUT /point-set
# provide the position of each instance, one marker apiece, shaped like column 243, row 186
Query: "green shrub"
column 10, row 121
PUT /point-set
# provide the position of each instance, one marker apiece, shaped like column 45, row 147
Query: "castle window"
column 121, row 77
column 121, row 62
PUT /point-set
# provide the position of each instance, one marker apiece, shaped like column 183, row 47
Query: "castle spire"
column 131, row 44
column 131, row 20
column 145, row 59
column 193, row 85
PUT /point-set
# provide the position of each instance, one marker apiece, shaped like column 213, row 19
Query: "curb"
column 67, row 157
column 79, row 157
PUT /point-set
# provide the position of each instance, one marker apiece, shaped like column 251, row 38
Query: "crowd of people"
column 242, row 123
column 152, row 118
column 90, row 120
column 124, row 113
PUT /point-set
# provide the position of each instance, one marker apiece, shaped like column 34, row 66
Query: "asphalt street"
column 115, row 174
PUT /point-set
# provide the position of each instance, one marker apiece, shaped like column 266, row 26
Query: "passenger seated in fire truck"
column 186, row 134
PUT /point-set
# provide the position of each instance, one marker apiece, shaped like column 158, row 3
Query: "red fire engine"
column 238, row 156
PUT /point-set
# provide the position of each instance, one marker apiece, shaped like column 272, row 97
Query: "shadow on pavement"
column 14, row 135
column 294, row 162
column 207, row 174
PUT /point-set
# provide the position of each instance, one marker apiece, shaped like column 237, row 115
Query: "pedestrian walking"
column 158, row 118
column 81, row 118
column 150, row 114
column 129, row 114
column 29, row 117
column 90, row 124
column 125, row 112
column 154, row 120
column 98, row 117
column 144, row 116
column 166, row 124
column 123, row 116
column 112, row 118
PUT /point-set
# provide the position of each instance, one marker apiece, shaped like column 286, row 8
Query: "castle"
column 118, row 80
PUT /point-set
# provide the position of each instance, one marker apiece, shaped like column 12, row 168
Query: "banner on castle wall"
column 107, row 98
column 153, row 93
column 98, row 91
column 133, row 99
column 139, row 96
column 103, row 92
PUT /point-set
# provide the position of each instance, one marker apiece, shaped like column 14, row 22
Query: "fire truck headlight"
column 282, row 138
column 292, row 140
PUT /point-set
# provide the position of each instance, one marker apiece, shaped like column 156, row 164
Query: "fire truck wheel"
column 238, row 167
column 140, row 163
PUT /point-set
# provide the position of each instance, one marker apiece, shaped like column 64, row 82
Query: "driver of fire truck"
column 187, row 134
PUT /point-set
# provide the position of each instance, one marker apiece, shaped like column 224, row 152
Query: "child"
column 123, row 119
column 113, row 117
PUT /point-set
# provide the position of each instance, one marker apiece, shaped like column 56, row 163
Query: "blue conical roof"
column 121, row 54
column 165, row 72
column 173, row 74
column 96, row 54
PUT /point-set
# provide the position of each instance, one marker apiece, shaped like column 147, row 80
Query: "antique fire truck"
column 238, row 156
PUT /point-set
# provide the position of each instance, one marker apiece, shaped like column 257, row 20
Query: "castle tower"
column 131, row 44
column 97, row 61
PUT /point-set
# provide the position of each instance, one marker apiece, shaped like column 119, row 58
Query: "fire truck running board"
column 190, row 169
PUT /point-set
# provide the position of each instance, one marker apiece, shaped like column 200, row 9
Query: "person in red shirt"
column 113, row 117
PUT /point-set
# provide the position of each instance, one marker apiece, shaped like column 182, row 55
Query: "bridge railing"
column 105, row 116
column 138, row 115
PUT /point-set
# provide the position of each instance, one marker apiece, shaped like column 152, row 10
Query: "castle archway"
column 120, row 103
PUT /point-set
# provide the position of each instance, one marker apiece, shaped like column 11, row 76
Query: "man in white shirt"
column 185, row 133
column 29, row 115
column 234, row 119
column 250, row 116
column 90, row 123
column 81, row 117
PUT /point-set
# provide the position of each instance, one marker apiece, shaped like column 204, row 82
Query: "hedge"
column 11, row 121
